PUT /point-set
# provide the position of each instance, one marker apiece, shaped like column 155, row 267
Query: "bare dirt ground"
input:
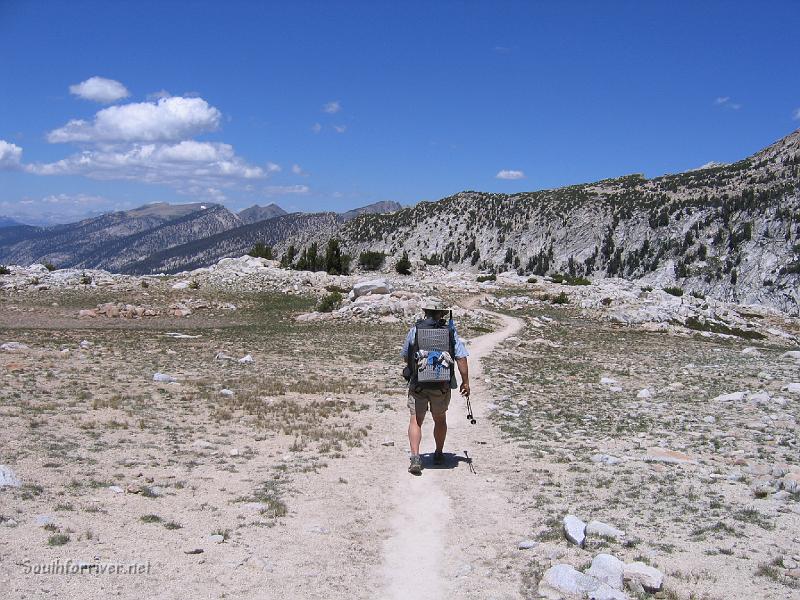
column 297, row 461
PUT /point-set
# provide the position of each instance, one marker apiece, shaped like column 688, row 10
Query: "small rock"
column 247, row 359
column 645, row 393
column 163, row 378
column 575, row 530
column 709, row 419
column 463, row 570
column 607, row 381
column 226, row 392
column 320, row 530
column 792, row 355
column 216, row 538
column 13, row 347
column 561, row 580
column 9, row 523
column 42, row 520
column 387, row 443
column 193, row 551
column 608, row 569
column 86, row 344
column 527, row 544
column 600, row 529
column 134, row 489
column 233, row 452
column 8, row 478
column 733, row 397
column 605, row 459
column 664, row 455
column 792, row 388
column 649, row 577
column 116, row 489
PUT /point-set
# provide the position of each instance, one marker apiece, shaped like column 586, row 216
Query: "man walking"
column 432, row 349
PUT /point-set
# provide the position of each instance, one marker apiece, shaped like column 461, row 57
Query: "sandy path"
column 422, row 555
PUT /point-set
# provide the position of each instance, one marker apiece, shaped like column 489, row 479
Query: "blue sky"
column 332, row 105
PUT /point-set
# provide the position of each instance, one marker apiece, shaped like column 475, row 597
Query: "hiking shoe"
column 416, row 465
column 438, row 457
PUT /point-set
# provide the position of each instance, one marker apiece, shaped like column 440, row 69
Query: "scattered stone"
column 672, row 457
column 560, row 580
column 792, row 388
column 8, row 478
column 527, row 544
column 86, row 344
column 319, row 529
column 226, row 392
column 387, row 443
column 134, row 488
column 247, row 359
column 709, row 419
column 463, row 570
column 608, row 569
column 645, row 393
column 607, row 381
column 605, row 459
column 13, row 347
column 233, row 452
column 163, row 378
column 791, row 483
column 751, row 351
column 90, row 312
column 374, row 286
column 116, row 489
column 600, row 529
column 734, row 397
column 42, row 520
column 792, row 355
column 650, row 578
column 9, row 523
column 216, row 538
column 193, row 551
column 575, row 530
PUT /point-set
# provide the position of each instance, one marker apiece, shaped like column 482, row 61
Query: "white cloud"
column 100, row 89
column 796, row 114
column 10, row 156
column 273, row 168
column 169, row 119
column 510, row 174
column 316, row 128
column 726, row 102
column 332, row 107
column 340, row 128
column 281, row 190
column 298, row 170
column 186, row 165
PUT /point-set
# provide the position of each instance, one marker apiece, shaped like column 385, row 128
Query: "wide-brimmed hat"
column 434, row 304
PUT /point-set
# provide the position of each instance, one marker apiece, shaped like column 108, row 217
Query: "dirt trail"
column 440, row 520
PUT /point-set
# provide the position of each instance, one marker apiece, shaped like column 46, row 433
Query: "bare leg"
column 415, row 432
column 439, row 430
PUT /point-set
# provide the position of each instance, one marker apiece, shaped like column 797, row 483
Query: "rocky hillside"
column 729, row 231
column 260, row 213
column 115, row 238
column 376, row 208
column 206, row 251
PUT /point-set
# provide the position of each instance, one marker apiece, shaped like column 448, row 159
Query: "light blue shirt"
column 461, row 349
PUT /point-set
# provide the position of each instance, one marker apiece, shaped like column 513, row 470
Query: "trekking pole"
column 470, row 418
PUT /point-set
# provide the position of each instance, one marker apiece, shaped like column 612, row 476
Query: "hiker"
column 432, row 350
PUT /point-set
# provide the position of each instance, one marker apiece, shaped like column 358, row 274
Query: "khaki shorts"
column 435, row 400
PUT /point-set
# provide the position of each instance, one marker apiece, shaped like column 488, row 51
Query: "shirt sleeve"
column 409, row 342
column 461, row 349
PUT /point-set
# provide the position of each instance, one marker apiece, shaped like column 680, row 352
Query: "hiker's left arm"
column 463, row 369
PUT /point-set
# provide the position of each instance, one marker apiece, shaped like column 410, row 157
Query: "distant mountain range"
column 8, row 222
column 163, row 237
